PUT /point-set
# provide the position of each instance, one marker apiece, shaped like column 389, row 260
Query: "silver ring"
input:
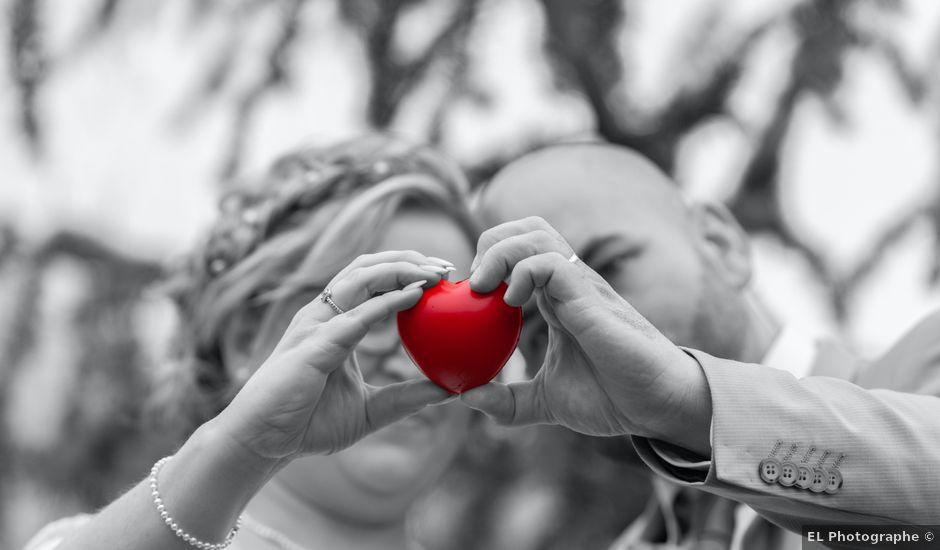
column 327, row 297
column 574, row 258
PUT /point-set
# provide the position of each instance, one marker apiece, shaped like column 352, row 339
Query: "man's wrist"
column 688, row 422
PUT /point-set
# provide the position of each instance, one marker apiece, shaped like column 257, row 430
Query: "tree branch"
column 29, row 64
column 276, row 74
column 393, row 79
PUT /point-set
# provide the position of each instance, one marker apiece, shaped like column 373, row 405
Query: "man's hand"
column 607, row 370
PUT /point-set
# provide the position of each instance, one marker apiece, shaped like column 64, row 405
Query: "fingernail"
column 434, row 269
column 416, row 284
column 441, row 261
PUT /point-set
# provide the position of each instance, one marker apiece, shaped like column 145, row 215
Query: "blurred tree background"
column 122, row 120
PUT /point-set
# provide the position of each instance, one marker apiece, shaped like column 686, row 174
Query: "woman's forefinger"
column 363, row 283
column 391, row 256
column 343, row 332
column 348, row 291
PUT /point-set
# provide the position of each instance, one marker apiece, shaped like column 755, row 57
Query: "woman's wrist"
column 210, row 481
column 202, row 490
column 215, row 438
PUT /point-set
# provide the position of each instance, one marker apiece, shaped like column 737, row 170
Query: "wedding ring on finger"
column 574, row 258
column 327, row 297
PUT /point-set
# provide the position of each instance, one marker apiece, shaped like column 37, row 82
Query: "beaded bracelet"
column 171, row 523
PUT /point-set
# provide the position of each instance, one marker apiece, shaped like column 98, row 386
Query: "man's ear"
column 724, row 243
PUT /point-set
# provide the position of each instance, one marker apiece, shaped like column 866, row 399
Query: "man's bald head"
column 684, row 267
column 595, row 177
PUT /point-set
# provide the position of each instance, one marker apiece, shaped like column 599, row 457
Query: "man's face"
column 641, row 239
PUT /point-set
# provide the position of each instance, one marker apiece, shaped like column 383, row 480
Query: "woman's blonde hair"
column 312, row 214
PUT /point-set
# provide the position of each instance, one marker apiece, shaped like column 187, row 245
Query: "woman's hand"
column 309, row 396
column 607, row 370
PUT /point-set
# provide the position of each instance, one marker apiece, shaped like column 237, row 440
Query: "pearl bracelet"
column 171, row 523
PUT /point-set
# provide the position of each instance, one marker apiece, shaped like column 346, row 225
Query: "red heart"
column 459, row 338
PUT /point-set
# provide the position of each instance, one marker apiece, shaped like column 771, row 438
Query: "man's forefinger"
column 501, row 259
column 502, row 232
column 500, row 248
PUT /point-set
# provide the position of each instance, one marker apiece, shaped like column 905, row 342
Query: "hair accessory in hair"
column 299, row 182
column 381, row 168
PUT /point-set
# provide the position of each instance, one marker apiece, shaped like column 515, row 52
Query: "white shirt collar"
column 793, row 351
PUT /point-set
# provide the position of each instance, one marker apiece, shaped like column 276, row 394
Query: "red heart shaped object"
column 459, row 338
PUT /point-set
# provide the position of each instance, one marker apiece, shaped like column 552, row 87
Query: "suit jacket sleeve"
column 890, row 442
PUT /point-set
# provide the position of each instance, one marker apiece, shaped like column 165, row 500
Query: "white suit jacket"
column 889, row 441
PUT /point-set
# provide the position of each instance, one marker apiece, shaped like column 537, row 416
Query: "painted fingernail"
column 416, row 284
column 434, row 269
column 441, row 261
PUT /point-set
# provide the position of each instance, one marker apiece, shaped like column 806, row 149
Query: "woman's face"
column 377, row 479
